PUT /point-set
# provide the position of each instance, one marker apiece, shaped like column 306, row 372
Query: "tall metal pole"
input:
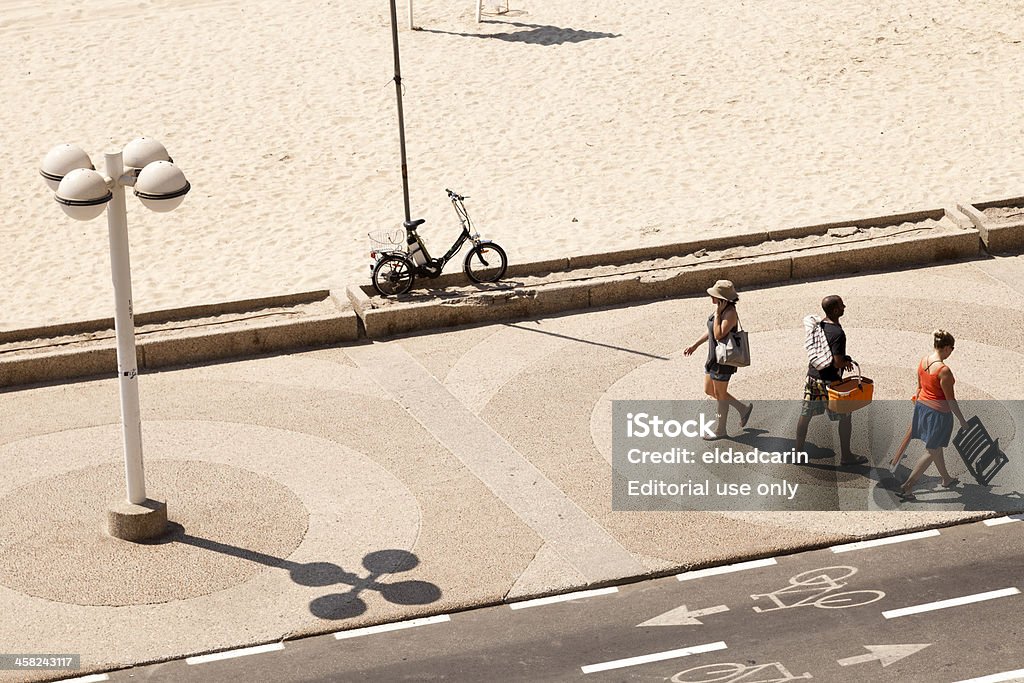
column 401, row 117
column 124, row 329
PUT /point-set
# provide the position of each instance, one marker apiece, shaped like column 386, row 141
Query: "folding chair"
column 979, row 451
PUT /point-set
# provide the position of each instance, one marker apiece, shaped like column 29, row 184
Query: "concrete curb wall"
column 998, row 239
column 501, row 302
column 286, row 323
column 166, row 316
column 217, row 332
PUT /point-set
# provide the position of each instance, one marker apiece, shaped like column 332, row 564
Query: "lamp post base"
column 143, row 522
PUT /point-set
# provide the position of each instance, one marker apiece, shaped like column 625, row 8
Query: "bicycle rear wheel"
column 486, row 262
column 393, row 275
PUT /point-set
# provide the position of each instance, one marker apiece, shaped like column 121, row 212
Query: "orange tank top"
column 931, row 393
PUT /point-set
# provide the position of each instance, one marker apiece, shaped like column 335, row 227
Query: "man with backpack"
column 826, row 350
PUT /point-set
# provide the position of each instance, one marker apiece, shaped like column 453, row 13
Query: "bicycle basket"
column 392, row 239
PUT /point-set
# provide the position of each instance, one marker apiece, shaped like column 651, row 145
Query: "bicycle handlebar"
column 454, row 196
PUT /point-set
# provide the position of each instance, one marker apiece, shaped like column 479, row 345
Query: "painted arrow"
column 886, row 654
column 680, row 616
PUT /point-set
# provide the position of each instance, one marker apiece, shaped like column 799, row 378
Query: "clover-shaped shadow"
column 334, row 606
column 379, row 563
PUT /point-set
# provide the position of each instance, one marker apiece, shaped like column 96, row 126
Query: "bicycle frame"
column 433, row 266
column 395, row 266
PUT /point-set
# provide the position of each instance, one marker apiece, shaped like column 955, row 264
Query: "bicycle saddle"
column 412, row 225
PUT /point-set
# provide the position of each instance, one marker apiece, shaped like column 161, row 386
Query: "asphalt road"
column 938, row 605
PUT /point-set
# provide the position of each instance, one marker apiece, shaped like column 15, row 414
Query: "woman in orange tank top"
column 933, row 412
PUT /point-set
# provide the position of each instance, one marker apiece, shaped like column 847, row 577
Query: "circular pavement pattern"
column 227, row 524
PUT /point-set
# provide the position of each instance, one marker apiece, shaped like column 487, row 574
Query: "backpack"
column 819, row 353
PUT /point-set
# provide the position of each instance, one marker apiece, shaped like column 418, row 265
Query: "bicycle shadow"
column 339, row 605
column 536, row 34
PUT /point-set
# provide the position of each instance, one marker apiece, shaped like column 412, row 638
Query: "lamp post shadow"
column 334, row 606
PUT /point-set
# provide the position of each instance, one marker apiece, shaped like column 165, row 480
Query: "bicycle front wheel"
column 486, row 262
column 393, row 275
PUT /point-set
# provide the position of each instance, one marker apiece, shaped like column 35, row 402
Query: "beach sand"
column 573, row 127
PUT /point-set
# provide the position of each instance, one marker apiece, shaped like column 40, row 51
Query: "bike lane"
column 817, row 615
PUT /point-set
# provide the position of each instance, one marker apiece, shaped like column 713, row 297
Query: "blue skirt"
column 932, row 426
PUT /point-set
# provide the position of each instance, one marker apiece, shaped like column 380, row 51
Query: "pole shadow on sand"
column 532, row 34
column 334, row 606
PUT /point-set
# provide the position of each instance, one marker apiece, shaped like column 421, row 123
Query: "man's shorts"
column 816, row 400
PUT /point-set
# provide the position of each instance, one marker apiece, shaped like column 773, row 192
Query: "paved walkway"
column 337, row 488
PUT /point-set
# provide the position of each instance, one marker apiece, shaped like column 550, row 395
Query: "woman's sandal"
column 953, row 483
column 906, row 497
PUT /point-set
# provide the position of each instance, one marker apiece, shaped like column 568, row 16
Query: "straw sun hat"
column 724, row 289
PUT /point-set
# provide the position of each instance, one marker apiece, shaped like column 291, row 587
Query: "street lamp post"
column 84, row 194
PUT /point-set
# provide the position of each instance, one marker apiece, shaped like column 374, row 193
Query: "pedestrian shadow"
column 533, row 34
column 345, row 604
column 969, row 496
column 762, row 440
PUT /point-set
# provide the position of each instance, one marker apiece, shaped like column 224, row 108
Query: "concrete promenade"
column 379, row 481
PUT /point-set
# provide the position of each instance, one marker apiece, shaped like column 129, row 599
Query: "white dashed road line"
column 953, row 602
column 537, row 602
column 859, row 545
column 397, row 626
column 738, row 567
column 1002, row 520
column 92, row 678
column 998, row 678
column 231, row 654
column 655, row 657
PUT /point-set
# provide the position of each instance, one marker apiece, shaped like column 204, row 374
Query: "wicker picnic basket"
column 850, row 394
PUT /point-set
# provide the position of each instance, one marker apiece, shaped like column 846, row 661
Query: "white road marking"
column 92, row 678
column 656, row 657
column 397, row 626
column 680, row 616
column 997, row 678
column 1002, row 520
column 885, row 654
column 859, row 545
column 738, row 567
column 231, row 654
column 563, row 598
column 953, row 602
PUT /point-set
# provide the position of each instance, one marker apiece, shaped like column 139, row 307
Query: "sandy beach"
column 573, row 127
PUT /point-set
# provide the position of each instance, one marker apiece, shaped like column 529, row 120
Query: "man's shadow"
column 535, row 34
column 819, row 458
column 340, row 605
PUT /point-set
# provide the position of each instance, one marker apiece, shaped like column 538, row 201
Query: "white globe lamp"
column 141, row 152
column 60, row 161
column 161, row 186
column 83, row 194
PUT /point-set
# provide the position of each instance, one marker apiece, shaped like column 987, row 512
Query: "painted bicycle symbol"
column 818, row 587
column 733, row 672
